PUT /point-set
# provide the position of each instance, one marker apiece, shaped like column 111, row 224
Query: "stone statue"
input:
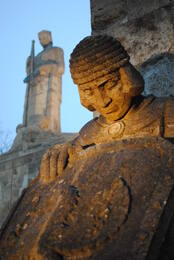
column 109, row 84
column 108, row 194
column 43, row 94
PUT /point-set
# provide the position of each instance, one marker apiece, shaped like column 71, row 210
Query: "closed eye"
column 109, row 102
column 112, row 84
column 103, row 84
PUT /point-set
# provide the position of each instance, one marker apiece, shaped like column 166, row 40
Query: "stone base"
column 21, row 164
column 115, row 201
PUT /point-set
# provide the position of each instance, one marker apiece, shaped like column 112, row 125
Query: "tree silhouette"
column 5, row 141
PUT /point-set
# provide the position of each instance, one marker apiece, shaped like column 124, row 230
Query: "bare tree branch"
column 6, row 140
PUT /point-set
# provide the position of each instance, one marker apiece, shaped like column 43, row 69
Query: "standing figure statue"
column 44, row 86
column 108, row 194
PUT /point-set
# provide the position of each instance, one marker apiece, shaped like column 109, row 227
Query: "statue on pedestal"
column 108, row 194
column 44, row 86
column 41, row 117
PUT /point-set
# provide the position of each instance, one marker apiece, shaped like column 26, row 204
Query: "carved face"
column 112, row 99
column 108, row 99
column 45, row 38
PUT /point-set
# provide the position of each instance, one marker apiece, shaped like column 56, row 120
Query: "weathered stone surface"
column 21, row 164
column 145, row 28
column 105, row 13
column 107, row 194
column 106, row 205
column 41, row 123
column 156, row 70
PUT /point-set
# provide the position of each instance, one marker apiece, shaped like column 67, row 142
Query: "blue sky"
column 69, row 22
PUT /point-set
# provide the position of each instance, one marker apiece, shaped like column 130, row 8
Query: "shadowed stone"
column 108, row 193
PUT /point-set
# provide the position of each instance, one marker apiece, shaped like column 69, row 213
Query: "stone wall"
column 16, row 170
column 21, row 164
column 146, row 29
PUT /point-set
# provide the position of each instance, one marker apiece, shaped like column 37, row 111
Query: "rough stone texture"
column 108, row 204
column 21, row 164
column 99, row 51
column 145, row 28
column 41, row 123
column 157, row 70
column 108, row 193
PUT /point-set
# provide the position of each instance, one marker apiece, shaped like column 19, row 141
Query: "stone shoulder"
column 89, row 132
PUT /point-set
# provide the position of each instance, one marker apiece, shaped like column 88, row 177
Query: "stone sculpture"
column 108, row 194
column 110, row 85
column 43, row 94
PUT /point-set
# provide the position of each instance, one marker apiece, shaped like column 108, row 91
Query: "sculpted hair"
column 97, row 58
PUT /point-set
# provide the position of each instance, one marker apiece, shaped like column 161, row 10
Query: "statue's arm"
column 60, row 60
column 56, row 159
column 169, row 118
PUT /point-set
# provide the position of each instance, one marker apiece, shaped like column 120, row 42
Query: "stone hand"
column 54, row 161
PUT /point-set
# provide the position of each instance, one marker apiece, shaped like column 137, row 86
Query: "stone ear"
column 132, row 81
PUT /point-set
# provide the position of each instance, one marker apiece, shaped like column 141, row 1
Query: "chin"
column 112, row 117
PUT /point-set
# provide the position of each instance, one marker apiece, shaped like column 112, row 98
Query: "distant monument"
column 41, row 117
column 41, row 123
column 44, row 86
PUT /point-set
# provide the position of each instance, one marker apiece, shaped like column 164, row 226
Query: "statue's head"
column 45, row 38
column 106, row 80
